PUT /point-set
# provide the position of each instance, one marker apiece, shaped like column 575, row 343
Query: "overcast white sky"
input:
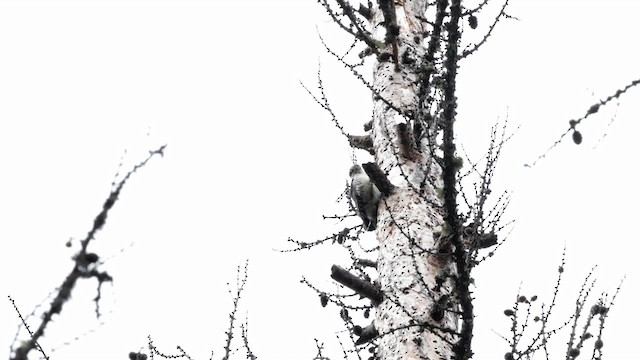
column 252, row 160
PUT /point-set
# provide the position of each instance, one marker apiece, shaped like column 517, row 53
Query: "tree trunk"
column 415, row 319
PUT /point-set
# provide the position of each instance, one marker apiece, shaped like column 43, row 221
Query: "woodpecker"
column 365, row 196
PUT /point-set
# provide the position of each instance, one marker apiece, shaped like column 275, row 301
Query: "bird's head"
column 355, row 169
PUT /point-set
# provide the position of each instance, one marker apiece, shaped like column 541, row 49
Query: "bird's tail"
column 370, row 225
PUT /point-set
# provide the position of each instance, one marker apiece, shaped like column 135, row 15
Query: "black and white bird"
column 365, row 196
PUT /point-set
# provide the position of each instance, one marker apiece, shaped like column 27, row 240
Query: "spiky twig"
column 83, row 266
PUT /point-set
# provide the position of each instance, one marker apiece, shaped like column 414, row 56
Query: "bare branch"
column 83, row 266
column 468, row 52
column 356, row 284
column 241, row 280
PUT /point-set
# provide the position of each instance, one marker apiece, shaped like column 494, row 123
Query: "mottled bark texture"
column 415, row 319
